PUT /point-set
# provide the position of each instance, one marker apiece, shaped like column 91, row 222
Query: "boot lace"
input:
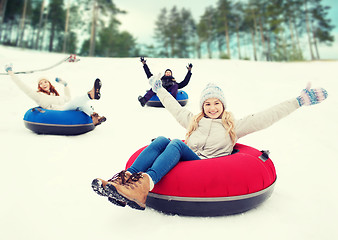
column 119, row 176
column 134, row 178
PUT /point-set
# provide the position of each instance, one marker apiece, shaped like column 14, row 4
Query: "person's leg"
column 148, row 95
column 80, row 103
column 164, row 154
column 175, row 151
column 147, row 157
column 173, row 89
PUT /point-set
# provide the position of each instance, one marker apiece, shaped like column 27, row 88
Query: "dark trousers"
column 172, row 89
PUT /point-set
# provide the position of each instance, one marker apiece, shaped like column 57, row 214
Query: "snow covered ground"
column 46, row 180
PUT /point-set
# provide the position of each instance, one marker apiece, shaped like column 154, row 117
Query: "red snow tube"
column 216, row 186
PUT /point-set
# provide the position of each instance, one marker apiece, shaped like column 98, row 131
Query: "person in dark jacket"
column 168, row 82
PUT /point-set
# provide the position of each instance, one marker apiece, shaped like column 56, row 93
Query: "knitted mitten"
column 311, row 96
column 155, row 82
column 9, row 67
column 59, row 80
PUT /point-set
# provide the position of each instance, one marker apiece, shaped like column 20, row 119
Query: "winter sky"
column 141, row 16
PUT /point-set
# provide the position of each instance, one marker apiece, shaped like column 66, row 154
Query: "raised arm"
column 33, row 94
column 187, row 77
column 41, row 99
column 264, row 119
column 181, row 114
column 145, row 67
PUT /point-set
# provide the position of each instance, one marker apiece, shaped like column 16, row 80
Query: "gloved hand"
column 142, row 60
column 311, row 96
column 155, row 82
column 9, row 67
column 59, row 80
column 189, row 67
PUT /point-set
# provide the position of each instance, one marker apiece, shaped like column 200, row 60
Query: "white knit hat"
column 42, row 78
column 212, row 91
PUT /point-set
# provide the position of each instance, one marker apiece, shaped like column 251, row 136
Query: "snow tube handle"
column 38, row 109
column 265, row 155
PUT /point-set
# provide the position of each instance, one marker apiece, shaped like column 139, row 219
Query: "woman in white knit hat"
column 211, row 133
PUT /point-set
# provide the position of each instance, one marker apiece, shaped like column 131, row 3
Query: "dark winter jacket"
column 168, row 81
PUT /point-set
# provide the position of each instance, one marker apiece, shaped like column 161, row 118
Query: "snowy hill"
column 45, row 180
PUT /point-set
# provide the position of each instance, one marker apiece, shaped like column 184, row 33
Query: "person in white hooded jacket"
column 46, row 96
column 212, row 133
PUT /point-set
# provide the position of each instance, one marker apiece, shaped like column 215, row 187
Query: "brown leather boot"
column 134, row 191
column 95, row 92
column 99, row 186
column 97, row 120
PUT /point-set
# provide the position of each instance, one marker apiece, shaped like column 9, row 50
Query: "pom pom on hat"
column 212, row 91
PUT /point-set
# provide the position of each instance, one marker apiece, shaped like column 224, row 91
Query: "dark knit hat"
column 169, row 71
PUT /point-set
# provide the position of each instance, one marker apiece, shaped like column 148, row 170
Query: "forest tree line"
column 271, row 30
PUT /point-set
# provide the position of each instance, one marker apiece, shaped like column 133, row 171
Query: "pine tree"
column 3, row 6
column 162, row 32
column 56, row 15
column 320, row 25
column 207, row 30
column 292, row 9
column 224, row 14
column 38, row 11
column 175, row 31
column 100, row 9
column 238, row 16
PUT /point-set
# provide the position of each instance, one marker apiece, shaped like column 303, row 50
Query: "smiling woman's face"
column 45, row 85
column 213, row 108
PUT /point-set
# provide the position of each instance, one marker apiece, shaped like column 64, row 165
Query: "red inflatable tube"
column 216, row 186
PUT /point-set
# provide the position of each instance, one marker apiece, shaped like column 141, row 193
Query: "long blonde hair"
column 227, row 121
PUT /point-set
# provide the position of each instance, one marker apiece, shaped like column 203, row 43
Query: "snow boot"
column 142, row 100
column 134, row 192
column 97, row 120
column 95, row 92
column 99, row 186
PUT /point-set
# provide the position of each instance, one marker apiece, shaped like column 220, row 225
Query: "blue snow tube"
column 182, row 98
column 56, row 122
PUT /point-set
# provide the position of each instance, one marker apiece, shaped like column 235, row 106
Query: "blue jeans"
column 161, row 156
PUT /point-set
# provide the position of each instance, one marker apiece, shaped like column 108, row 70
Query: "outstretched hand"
column 189, row 67
column 9, row 67
column 59, row 80
column 155, row 82
column 143, row 60
column 311, row 96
